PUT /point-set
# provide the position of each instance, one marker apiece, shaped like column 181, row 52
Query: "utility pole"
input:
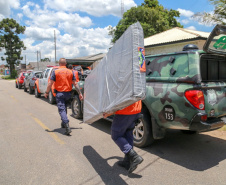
column 55, row 45
column 37, row 61
column 40, row 56
column 25, row 60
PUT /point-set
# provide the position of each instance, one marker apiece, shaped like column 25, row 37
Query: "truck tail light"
column 196, row 98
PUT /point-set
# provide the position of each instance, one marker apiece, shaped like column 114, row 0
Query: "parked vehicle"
column 19, row 82
column 84, row 69
column 29, row 81
column 42, row 82
column 76, row 104
column 185, row 90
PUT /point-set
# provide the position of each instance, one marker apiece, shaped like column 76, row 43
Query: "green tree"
column 154, row 18
column 45, row 60
column 10, row 41
column 217, row 17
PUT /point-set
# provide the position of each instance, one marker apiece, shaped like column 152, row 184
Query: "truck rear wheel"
column 51, row 98
column 37, row 94
column 76, row 107
column 19, row 86
column 31, row 90
column 142, row 132
column 25, row 89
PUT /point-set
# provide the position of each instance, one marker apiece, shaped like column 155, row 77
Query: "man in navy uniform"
column 63, row 78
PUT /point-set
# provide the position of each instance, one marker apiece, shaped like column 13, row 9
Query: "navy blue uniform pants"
column 62, row 98
column 122, row 131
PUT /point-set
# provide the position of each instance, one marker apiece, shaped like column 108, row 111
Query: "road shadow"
column 198, row 152
column 61, row 130
column 108, row 174
column 103, row 125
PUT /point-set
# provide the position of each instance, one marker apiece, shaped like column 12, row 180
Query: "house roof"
column 92, row 57
column 41, row 64
column 174, row 35
column 86, row 60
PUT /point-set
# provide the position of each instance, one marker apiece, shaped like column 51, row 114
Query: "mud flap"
column 157, row 131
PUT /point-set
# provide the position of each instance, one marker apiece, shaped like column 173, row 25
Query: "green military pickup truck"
column 185, row 91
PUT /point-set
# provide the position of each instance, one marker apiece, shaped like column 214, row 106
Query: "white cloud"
column 19, row 15
column 191, row 28
column 89, row 41
column 1, row 17
column 6, row 5
column 93, row 7
column 74, row 35
column 45, row 18
column 40, row 34
column 186, row 13
column 185, row 21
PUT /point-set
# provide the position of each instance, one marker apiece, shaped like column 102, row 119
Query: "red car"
column 20, row 80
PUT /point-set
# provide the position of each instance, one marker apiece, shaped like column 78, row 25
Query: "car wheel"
column 37, row 94
column 16, row 85
column 142, row 133
column 31, row 90
column 19, row 86
column 25, row 89
column 51, row 98
column 76, row 107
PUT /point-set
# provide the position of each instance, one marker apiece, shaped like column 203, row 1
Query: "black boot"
column 135, row 159
column 125, row 163
column 62, row 125
column 68, row 130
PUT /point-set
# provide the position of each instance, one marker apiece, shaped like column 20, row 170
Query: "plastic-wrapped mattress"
column 119, row 79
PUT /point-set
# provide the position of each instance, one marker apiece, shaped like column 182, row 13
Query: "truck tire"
column 37, row 94
column 142, row 132
column 16, row 85
column 31, row 90
column 76, row 107
column 19, row 86
column 25, row 89
column 51, row 98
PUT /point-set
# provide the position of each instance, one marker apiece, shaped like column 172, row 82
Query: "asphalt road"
column 34, row 150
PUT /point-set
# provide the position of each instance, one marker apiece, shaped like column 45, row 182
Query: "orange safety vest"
column 132, row 109
column 76, row 75
column 64, row 78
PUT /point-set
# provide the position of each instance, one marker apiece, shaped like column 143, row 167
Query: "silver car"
column 29, row 81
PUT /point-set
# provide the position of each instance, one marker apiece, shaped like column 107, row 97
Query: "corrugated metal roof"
column 91, row 57
column 173, row 35
column 42, row 64
column 86, row 60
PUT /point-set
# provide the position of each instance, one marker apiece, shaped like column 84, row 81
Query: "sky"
column 81, row 26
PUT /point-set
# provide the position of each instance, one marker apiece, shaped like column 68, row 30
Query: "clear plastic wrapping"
column 118, row 80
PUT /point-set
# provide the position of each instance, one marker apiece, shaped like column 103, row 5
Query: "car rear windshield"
column 213, row 68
